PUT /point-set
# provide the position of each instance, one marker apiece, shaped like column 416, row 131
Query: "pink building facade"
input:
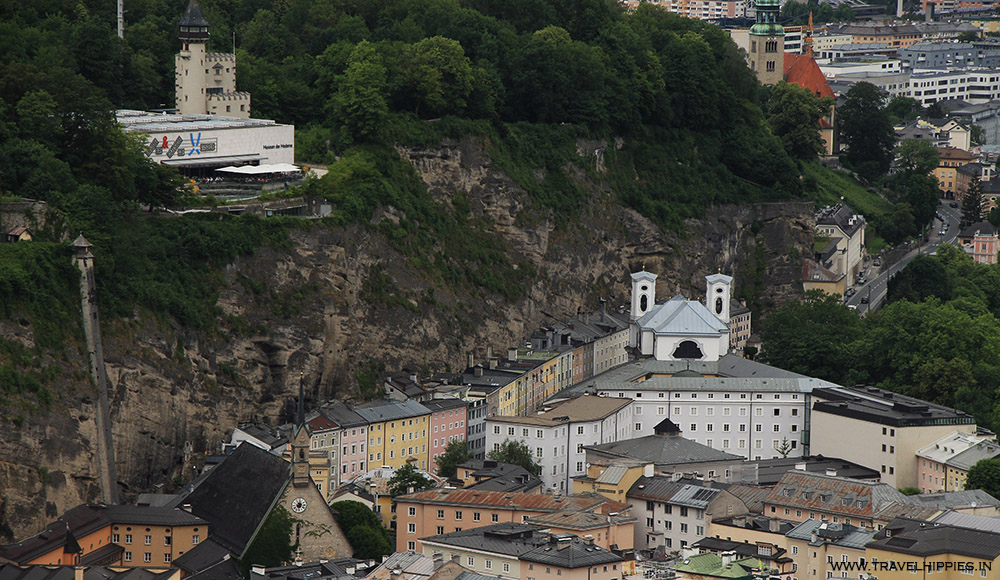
column 449, row 422
column 931, row 475
column 980, row 242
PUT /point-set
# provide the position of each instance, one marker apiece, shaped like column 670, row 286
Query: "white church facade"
column 686, row 373
column 680, row 329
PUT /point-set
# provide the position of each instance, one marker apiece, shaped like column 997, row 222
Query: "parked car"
column 942, row 232
column 953, row 204
column 877, row 263
column 850, row 292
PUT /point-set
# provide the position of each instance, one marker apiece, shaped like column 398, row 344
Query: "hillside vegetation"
column 671, row 98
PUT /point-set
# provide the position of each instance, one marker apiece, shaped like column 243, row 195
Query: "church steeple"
column 767, row 43
column 300, row 443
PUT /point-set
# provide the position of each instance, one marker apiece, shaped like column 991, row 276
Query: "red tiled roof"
column 954, row 153
column 502, row 499
column 320, row 423
column 802, row 70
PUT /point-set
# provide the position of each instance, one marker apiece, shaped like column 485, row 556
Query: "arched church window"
column 688, row 349
column 643, row 303
column 718, row 305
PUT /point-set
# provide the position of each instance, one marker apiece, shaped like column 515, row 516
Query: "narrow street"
column 878, row 278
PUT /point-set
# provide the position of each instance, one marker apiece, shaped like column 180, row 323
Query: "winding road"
column 878, row 278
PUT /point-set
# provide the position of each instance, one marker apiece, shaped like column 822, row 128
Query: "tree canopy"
column 516, row 453
column 867, row 131
column 456, row 453
column 363, row 529
column 408, row 479
column 985, row 475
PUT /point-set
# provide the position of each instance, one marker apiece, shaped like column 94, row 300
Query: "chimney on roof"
column 512, row 353
column 489, row 351
column 78, row 572
column 477, row 370
column 470, row 360
column 774, row 525
column 258, row 570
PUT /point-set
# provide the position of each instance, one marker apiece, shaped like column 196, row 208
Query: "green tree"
column 456, row 453
column 516, row 453
column 369, row 543
column 866, row 130
column 972, row 203
column 910, row 490
column 923, row 277
column 794, row 113
column 408, row 479
column 361, row 101
column 812, row 337
column 363, row 529
column 903, row 109
column 272, row 546
column 437, row 77
column 917, row 156
column 985, row 475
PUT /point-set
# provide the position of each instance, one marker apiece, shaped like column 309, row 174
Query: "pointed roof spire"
column 300, row 413
column 193, row 16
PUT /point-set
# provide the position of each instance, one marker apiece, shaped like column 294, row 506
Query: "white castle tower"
column 205, row 82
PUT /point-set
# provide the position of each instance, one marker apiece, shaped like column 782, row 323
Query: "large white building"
column 558, row 433
column 209, row 141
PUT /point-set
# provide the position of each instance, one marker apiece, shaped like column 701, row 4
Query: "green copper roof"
column 767, row 29
column 710, row 564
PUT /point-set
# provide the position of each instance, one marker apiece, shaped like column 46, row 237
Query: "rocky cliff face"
column 305, row 313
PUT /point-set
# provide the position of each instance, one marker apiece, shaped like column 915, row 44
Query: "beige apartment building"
column 883, row 430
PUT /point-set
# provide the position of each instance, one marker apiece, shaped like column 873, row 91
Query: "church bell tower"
column 767, row 43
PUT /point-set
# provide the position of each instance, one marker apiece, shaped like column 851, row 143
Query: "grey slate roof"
column 512, row 539
column 682, row 316
column 662, row 450
column 972, row 522
column 885, row 407
column 193, row 16
column 382, row 411
column 322, row 570
column 206, row 554
column 234, row 508
column 925, row 539
column 570, row 552
column 223, row 570
column 844, row 535
column 954, row 499
column 769, row 471
column 342, row 415
column 654, row 488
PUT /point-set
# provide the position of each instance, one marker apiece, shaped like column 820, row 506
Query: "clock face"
column 298, row 505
